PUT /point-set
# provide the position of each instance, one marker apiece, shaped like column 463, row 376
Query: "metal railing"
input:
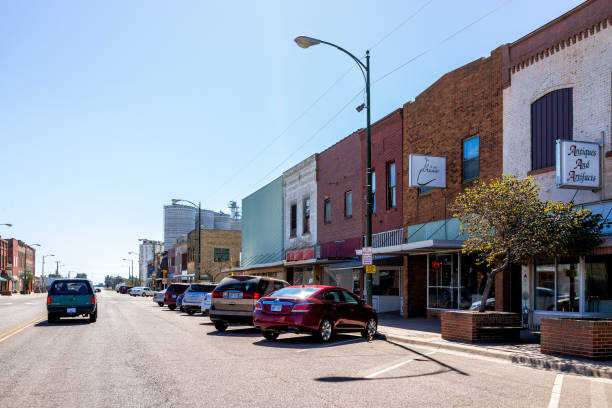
column 387, row 238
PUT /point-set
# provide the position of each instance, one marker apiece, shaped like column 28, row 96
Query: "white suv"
column 141, row 291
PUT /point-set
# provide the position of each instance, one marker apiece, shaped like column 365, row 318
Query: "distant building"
column 21, row 257
column 219, row 251
column 6, row 281
column 146, row 258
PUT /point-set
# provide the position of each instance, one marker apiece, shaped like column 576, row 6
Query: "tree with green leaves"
column 505, row 221
column 26, row 278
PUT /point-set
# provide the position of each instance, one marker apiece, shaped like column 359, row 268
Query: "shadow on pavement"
column 444, row 368
column 64, row 322
column 248, row 332
column 307, row 342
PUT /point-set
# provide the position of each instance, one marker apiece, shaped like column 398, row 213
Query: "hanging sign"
column 427, row 171
column 578, row 165
column 366, row 256
column 370, row 269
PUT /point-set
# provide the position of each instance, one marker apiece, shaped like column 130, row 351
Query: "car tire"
column 93, row 317
column 220, row 326
column 143, row 294
column 270, row 335
column 161, row 304
column 326, row 331
column 171, row 307
column 190, row 312
column 371, row 329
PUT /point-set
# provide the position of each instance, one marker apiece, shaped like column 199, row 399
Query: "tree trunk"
column 490, row 280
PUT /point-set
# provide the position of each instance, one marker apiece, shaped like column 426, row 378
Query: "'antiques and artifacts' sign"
column 427, row 171
column 578, row 164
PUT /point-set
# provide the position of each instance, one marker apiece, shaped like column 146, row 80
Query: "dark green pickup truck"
column 71, row 298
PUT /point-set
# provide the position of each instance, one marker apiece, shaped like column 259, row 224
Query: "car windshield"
column 70, row 288
column 248, row 285
column 200, row 287
column 299, row 293
column 177, row 288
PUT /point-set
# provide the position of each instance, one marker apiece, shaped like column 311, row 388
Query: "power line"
column 400, row 25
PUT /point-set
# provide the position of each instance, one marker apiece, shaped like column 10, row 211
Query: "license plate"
column 276, row 308
column 233, row 295
column 71, row 310
column 173, row 296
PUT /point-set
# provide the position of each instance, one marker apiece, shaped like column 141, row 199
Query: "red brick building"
column 21, row 257
column 6, row 285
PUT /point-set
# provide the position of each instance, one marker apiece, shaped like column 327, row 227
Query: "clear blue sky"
column 109, row 109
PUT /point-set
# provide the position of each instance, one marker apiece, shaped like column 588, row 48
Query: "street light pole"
column 305, row 42
column 176, row 200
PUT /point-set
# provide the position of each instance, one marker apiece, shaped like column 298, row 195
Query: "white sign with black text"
column 578, row 164
column 427, row 171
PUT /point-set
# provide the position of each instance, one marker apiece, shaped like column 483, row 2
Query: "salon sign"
column 578, row 164
column 427, row 171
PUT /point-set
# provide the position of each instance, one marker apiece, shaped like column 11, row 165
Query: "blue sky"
column 109, row 109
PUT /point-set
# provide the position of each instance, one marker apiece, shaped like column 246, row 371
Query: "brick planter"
column 472, row 327
column 585, row 338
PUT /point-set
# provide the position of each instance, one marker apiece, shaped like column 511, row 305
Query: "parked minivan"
column 172, row 292
column 192, row 301
column 234, row 298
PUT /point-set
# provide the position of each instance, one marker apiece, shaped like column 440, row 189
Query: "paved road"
column 139, row 354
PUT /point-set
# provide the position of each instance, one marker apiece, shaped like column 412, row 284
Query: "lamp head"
column 305, row 42
column 360, row 107
column 175, row 200
column 9, row 225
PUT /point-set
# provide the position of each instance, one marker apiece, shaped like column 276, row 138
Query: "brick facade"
column 590, row 339
column 209, row 240
column 386, row 147
column 463, row 103
column 339, row 172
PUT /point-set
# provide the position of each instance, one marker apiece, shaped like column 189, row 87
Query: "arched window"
column 551, row 119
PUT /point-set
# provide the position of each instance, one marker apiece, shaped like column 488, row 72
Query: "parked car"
column 179, row 302
column 234, row 298
column 319, row 310
column 172, row 292
column 159, row 297
column 124, row 289
column 141, row 291
column 206, row 303
column 97, row 290
column 192, row 301
column 71, row 298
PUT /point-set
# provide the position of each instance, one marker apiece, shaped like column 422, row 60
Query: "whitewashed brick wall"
column 300, row 182
column 585, row 66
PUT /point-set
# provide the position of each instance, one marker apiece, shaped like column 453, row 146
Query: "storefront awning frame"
column 418, row 248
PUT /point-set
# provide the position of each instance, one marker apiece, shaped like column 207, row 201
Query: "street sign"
column 153, row 277
column 366, row 256
column 370, row 269
column 164, row 281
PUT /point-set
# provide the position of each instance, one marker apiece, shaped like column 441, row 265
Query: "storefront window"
column 339, row 277
column 473, row 281
column 598, row 285
column 385, row 283
column 303, row 276
column 568, row 285
column 545, row 284
column 443, row 281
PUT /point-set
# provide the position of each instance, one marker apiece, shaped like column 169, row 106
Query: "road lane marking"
column 331, row 344
column 21, row 327
column 556, row 392
column 393, row 367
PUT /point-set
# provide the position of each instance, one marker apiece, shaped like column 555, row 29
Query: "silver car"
column 158, row 297
column 193, row 296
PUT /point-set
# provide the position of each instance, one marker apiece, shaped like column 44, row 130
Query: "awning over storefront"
column 421, row 247
column 312, row 261
column 256, row 266
column 378, row 260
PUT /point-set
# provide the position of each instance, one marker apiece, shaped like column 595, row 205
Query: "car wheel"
column 326, row 331
column 370, row 330
column 171, row 307
column 93, row 317
column 143, row 294
column 190, row 312
column 270, row 335
column 161, row 304
column 220, row 326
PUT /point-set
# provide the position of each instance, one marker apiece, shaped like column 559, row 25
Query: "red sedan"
column 319, row 310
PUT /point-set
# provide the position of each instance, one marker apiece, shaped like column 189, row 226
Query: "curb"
column 569, row 366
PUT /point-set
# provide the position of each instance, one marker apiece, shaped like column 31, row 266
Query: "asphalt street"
column 138, row 354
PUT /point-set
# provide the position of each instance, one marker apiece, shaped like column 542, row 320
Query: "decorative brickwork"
column 480, row 327
column 585, row 338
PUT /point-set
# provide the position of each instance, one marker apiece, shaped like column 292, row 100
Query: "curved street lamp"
column 8, row 225
column 305, row 42
column 199, row 206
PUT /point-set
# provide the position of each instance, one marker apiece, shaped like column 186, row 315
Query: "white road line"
column 8, row 303
column 331, row 344
column 598, row 395
column 556, row 392
column 393, row 367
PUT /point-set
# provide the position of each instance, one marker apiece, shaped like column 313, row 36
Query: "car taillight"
column 93, row 299
column 217, row 294
column 301, row 307
column 256, row 295
column 48, row 300
column 258, row 305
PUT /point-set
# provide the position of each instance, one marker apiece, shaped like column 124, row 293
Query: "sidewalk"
column 426, row 332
